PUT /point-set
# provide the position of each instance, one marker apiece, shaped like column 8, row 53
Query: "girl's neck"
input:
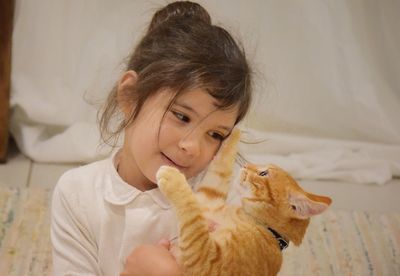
column 131, row 174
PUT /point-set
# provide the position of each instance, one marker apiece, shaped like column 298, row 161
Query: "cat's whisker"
column 241, row 160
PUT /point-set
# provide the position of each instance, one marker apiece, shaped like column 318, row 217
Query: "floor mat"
column 336, row 242
column 347, row 243
column 24, row 231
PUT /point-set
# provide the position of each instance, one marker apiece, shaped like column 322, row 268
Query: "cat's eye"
column 293, row 207
column 263, row 173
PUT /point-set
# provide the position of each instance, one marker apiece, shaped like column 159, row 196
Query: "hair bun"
column 179, row 9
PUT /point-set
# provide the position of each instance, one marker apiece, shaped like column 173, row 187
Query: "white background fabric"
column 327, row 79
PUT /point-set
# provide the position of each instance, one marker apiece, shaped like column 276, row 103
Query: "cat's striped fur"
column 218, row 239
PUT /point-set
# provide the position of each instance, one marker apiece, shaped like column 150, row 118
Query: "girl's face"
column 187, row 137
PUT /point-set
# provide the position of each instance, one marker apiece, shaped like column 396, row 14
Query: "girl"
column 186, row 86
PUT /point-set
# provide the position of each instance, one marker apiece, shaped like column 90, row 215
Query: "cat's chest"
column 221, row 221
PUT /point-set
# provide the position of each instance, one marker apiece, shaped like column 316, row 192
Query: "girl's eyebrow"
column 189, row 108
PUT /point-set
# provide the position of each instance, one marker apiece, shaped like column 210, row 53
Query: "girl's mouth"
column 171, row 162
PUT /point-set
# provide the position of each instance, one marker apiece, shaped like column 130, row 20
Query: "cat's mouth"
column 243, row 189
column 244, row 178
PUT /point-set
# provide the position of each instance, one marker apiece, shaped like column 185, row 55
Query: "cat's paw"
column 168, row 178
column 167, row 173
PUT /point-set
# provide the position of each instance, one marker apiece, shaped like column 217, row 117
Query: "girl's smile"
column 173, row 163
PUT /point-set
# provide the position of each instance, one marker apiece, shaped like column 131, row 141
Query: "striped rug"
column 24, row 232
column 336, row 243
column 347, row 243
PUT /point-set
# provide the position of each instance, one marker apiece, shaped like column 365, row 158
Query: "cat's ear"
column 307, row 205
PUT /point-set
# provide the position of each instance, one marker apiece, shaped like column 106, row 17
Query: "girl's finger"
column 164, row 243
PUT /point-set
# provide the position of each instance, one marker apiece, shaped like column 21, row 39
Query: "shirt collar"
column 118, row 192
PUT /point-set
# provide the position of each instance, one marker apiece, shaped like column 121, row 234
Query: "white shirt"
column 98, row 219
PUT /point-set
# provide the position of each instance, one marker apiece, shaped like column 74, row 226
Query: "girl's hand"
column 151, row 260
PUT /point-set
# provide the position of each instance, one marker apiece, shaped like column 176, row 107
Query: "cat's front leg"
column 216, row 182
column 194, row 236
column 172, row 183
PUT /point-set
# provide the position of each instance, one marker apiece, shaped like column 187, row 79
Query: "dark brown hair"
column 182, row 51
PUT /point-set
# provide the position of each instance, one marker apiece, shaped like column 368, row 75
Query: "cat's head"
column 273, row 194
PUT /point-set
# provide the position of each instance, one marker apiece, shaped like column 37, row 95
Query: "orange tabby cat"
column 244, row 240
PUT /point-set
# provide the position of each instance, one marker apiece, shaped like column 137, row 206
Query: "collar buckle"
column 283, row 244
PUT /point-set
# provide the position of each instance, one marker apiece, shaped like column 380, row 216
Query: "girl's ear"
column 307, row 205
column 125, row 85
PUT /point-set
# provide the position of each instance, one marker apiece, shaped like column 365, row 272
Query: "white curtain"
column 327, row 79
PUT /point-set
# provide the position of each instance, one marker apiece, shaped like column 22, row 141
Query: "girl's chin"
column 152, row 180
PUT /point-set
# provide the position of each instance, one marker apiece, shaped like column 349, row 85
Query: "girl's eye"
column 181, row 117
column 216, row 135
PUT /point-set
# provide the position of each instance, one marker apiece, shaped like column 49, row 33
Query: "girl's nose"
column 190, row 144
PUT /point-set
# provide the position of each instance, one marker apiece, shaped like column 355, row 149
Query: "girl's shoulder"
column 84, row 180
column 78, row 195
column 85, row 173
